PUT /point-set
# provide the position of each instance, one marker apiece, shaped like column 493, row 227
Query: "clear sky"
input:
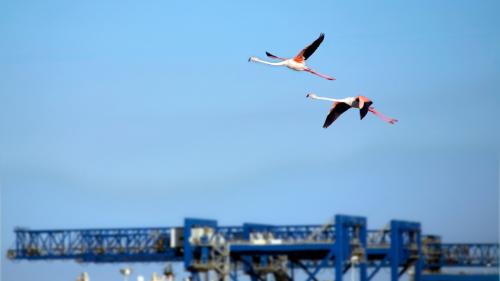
column 141, row 113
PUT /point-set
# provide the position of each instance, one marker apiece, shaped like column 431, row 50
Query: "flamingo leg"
column 319, row 74
column 382, row 116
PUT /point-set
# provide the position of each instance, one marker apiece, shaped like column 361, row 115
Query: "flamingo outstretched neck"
column 315, row 97
column 255, row 59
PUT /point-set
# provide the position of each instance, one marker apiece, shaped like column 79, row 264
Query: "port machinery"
column 262, row 250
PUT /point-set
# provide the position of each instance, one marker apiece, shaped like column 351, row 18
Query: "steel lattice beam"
column 259, row 249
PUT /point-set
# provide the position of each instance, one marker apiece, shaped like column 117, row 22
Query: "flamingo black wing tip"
column 271, row 55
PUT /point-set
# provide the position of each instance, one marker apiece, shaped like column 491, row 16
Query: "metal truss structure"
column 261, row 250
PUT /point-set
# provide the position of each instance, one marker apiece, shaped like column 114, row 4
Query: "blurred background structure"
column 260, row 250
column 118, row 114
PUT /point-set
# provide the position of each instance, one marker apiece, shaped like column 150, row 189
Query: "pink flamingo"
column 298, row 63
column 342, row 105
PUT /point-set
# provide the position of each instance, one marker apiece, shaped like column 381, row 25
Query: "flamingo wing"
column 273, row 56
column 309, row 50
column 364, row 110
column 337, row 109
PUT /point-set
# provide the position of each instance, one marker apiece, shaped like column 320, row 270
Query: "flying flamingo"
column 297, row 63
column 342, row 105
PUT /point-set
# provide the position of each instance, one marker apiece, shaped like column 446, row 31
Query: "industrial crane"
column 259, row 250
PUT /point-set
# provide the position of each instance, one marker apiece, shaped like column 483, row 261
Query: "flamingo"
column 342, row 105
column 298, row 63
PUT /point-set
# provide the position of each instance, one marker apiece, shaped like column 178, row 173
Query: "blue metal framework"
column 259, row 249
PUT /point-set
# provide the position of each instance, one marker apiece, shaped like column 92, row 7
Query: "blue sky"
column 133, row 113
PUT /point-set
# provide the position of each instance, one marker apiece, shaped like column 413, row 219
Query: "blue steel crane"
column 259, row 250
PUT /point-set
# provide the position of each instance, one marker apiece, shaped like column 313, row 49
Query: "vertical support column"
column 349, row 228
column 189, row 249
column 402, row 254
column 363, row 237
column 395, row 250
column 420, row 261
column 341, row 242
column 19, row 238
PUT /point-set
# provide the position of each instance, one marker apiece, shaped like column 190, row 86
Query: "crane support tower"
column 260, row 250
